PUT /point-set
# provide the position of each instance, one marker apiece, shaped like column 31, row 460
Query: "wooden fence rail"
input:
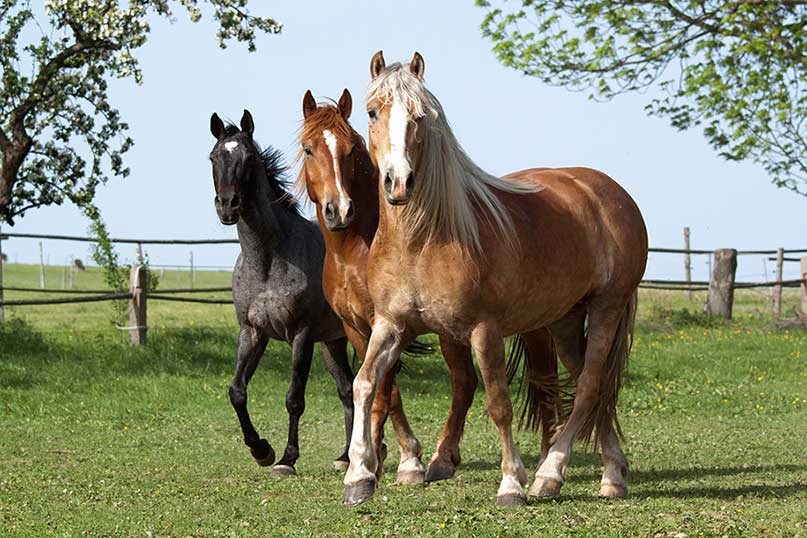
column 720, row 287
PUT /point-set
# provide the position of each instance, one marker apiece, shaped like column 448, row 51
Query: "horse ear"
column 216, row 126
column 345, row 104
column 417, row 66
column 309, row 103
column 247, row 125
column 377, row 64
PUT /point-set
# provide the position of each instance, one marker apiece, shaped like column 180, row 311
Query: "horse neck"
column 260, row 228
column 364, row 193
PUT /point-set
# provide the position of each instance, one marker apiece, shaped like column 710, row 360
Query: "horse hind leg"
column 251, row 346
column 542, row 404
column 594, row 403
column 489, row 347
column 334, row 354
column 410, row 468
column 302, row 353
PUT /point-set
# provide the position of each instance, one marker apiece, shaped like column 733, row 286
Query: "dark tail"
column 420, row 348
column 416, row 348
column 605, row 414
column 544, row 398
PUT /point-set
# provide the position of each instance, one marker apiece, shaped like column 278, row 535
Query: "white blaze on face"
column 330, row 141
column 397, row 163
column 231, row 145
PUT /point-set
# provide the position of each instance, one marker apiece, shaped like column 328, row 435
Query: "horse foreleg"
column 336, row 361
column 251, row 346
column 463, row 386
column 384, row 350
column 488, row 344
column 302, row 352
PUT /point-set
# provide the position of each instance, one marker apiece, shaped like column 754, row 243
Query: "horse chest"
column 347, row 294
column 272, row 305
column 426, row 296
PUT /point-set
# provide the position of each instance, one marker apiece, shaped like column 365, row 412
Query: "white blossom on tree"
column 60, row 137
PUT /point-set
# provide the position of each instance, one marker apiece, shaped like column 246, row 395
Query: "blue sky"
column 505, row 121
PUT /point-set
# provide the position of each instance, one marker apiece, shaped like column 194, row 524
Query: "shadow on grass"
column 658, row 483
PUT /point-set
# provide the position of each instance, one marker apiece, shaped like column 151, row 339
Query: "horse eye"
column 372, row 113
column 309, row 151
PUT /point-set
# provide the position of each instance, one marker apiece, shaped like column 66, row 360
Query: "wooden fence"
column 720, row 286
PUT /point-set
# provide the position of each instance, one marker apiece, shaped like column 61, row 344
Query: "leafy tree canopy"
column 737, row 69
column 60, row 137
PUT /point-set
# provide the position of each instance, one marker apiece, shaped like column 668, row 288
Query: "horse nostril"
column 235, row 201
column 410, row 182
column 217, row 200
column 388, row 183
column 350, row 209
column 329, row 211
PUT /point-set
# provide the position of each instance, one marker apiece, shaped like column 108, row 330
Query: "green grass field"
column 98, row 438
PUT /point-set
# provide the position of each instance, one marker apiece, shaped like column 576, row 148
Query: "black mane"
column 275, row 168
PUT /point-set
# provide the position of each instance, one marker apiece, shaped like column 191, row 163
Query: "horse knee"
column 501, row 412
column 362, row 389
column 295, row 404
column 238, row 396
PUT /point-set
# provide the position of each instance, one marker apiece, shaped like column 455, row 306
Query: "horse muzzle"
column 228, row 208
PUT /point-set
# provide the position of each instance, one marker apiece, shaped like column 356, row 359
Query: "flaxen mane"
column 450, row 188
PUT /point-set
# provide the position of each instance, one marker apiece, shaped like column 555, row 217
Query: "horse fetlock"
column 411, row 471
column 263, row 453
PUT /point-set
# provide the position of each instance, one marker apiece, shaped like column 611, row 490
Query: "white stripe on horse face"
column 398, row 124
column 231, row 145
column 330, row 141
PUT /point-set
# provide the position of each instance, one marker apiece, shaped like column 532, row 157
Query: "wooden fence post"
column 804, row 286
column 2, row 308
column 137, row 305
column 777, row 293
column 721, row 283
column 687, row 263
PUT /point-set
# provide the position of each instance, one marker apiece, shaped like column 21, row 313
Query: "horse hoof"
column 439, row 470
column 410, row 478
column 544, row 488
column 358, row 493
column 511, row 499
column 263, row 453
column 613, row 491
column 283, row 470
column 340, row 465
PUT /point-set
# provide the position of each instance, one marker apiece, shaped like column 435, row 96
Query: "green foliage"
column 60, row 137
column 736, row 69
column 104, row 254
column 680, row 318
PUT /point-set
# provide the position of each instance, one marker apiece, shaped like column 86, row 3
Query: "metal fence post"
column 777, row 294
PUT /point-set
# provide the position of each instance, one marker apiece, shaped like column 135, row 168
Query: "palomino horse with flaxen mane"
column 461, row 252
column 341, row 180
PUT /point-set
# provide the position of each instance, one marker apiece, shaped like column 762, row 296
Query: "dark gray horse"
column 277, row 284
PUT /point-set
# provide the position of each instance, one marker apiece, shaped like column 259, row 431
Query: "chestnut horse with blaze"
column 461, row 252
column 340, row 178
